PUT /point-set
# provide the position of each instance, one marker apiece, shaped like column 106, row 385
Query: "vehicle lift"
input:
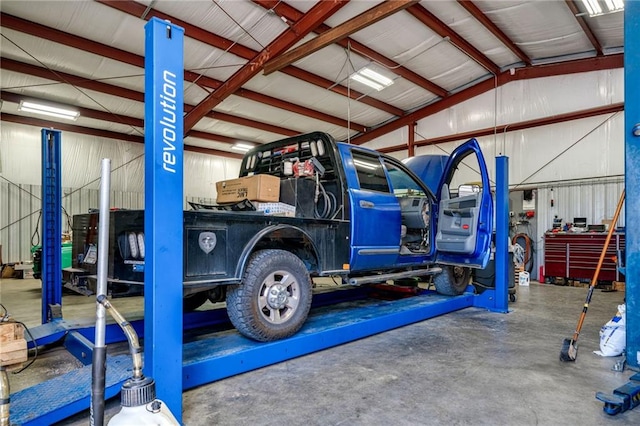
column 203, row 360
column 627, row 396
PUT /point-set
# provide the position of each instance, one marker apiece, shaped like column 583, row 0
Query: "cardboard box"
column 276, row 209
column 254, row 188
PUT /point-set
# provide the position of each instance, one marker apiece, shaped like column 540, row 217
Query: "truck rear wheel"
column 274, row 298
column 193, row 301
column 453, row 280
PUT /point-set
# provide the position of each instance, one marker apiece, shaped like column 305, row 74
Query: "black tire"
column 263, row 319
column 194, row 301
column 216, row 294
column 453, row 280
column 512, row 298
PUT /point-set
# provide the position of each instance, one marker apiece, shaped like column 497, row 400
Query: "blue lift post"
column 496, row 300
column 502, row 234
column 51, row 225
column 632, row 177
column 164, row 150
column 627, row 396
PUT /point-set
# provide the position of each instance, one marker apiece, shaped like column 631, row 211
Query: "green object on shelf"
column 67, row 248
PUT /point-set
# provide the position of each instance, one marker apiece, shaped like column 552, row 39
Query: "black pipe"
column 98, row 372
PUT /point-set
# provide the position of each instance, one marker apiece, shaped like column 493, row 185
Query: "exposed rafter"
column 493, row 28
column 443, row 30
column 338, row 33
column 38, row 30
column 512, row 127
column 585, row 26
column 29, row 121
column 109, row 89
column 136, row 9
column 292, row 14
column 317, row 15
column 563, row 68
column 115, row 118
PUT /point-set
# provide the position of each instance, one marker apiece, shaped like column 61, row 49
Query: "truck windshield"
column 403, row 184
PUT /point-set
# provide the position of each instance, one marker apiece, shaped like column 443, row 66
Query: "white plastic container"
column 523, row 278
column 154, row 413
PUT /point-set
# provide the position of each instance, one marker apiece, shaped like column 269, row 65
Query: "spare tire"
column 453, row 280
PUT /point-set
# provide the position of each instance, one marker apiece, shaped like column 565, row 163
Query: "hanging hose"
column 328, row 201
column 130, row 333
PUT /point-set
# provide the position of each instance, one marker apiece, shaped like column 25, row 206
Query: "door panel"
column 465, row 220
column 375, row 215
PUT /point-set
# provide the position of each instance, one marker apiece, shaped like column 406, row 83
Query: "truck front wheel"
column 274, row 298
column 453, row 280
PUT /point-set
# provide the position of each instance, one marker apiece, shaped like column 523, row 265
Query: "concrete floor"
column 467, row 367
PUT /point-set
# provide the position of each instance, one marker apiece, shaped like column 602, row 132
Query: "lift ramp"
column 224, row 354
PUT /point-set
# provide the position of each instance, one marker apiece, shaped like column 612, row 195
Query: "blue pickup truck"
column 360, row 217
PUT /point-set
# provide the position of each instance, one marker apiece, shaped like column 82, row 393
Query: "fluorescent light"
column 367, row 82
column 371, row 78
column 242, row 147
column 376, row 76
column 618, row 4
column 594, row 7
column 52, row 111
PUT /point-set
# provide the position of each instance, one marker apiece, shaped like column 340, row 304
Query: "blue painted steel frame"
column 632, row 177
column 51, row 222
column 164, row 150
column 502, row 234
column 228, row 354
column 214, row 359
column 496, row 300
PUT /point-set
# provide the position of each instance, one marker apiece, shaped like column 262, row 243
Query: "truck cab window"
column 370, row 172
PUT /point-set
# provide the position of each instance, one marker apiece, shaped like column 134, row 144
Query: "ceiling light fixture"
column 371, row 78
column 49, row 110
column 242, row 147
column 595, row 7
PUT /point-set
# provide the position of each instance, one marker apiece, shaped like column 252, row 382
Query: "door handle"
column 366, row 204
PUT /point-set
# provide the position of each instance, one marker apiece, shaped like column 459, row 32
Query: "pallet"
column 13, row 346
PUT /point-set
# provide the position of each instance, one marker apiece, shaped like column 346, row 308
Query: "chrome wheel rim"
column 279, row 297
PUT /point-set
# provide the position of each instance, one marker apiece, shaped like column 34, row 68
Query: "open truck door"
column 465, row 218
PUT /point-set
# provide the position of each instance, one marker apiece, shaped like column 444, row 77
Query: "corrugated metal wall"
column 20, row 210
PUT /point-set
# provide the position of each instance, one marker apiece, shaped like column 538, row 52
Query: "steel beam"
column 537, row 71
column 37, row 122
column 632, row 177
column 336, row 34
column 513, row 127
column 51, row 225
column 494, row 29
column 284, row 41
column 163, row 199
column 443, row 30
column 585, row 26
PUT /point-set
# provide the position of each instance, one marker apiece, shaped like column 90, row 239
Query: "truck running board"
column 378, row 278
